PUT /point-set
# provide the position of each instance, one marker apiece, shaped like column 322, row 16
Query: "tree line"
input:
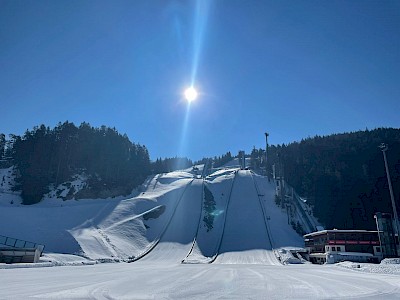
column 343, row 175
column 112, row 163
column 170, row 164
column 44, row 156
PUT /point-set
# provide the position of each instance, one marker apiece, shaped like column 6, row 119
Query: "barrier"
column 14, row 250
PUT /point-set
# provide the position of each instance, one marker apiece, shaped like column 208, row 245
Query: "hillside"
column 343, row 175
column 162, row 222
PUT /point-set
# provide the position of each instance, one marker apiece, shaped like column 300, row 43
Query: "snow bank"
column 383, row 268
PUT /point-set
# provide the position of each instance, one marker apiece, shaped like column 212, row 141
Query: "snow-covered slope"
column 167, row 222
column 211, row 226
column 245, row 238
column 282, row 234
column 176, row 241
column 98, row 229
column 135, row 226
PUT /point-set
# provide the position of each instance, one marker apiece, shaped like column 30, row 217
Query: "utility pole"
column 384, row 148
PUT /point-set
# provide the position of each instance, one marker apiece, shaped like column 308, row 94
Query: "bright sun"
column 190, row 94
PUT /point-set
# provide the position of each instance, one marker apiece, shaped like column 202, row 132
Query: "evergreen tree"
column 2, row 145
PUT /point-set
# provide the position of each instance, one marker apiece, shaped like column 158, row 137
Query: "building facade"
column 331, row 246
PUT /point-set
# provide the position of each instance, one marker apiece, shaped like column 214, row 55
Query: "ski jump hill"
column 228, row 217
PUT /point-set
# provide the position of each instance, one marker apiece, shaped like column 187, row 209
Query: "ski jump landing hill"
column 228, row 217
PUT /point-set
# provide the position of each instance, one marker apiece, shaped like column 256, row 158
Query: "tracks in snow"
column 242, row 236
column 246, row 239
column 156, row 241
column 196, row 255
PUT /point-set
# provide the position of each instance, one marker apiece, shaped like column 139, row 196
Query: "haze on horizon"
column 294, row 69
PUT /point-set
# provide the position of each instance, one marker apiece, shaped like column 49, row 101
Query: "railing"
column 17, row 243
column 297, row 202
column 303, row 213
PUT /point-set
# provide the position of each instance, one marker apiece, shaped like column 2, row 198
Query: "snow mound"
column 173, row 176
column 286, row 257
column 222, row 172
column 390, row 261
column 52, row 260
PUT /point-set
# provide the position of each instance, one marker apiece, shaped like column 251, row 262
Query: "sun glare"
column 190, row 94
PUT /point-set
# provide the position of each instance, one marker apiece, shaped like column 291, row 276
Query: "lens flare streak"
column 201, row 17
column 182, row 147
column 200, row 20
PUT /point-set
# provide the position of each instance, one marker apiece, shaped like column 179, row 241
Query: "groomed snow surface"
column 230, row 252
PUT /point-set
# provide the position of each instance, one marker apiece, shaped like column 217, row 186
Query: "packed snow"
column 238, row 249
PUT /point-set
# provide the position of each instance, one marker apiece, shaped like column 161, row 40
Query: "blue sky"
column 292, row 68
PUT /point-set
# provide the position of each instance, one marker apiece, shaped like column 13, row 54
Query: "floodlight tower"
column 266, row 153
column 384, row 148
